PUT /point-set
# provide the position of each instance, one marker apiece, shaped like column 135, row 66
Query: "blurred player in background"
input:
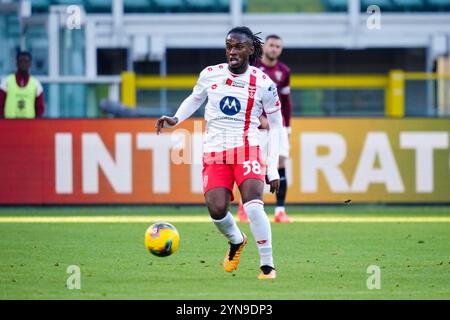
column 21, row 95
column 280, row 74
column 237, row 94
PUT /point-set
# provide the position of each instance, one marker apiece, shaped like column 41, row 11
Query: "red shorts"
column 223, row 169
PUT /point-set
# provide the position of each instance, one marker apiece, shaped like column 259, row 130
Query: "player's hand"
column 274, row 185
column 264, row 122
column 171, row 121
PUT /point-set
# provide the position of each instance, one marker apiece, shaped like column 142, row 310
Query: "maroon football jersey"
column 281, row 75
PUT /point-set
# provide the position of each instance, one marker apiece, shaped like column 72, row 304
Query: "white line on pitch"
column 175, row 218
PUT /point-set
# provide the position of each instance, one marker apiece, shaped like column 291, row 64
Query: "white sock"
column 260, row 226
column 228, row 227
column 279, row 209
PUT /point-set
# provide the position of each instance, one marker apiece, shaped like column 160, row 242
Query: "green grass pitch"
column 314, row 260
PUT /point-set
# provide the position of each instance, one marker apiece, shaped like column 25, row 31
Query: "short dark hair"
column 273, row 36
column 254, row 39
column 23, row 53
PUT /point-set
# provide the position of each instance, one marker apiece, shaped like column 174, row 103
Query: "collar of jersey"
column 239, row 75
column 269, row 67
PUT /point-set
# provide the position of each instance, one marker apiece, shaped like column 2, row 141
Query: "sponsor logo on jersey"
column 235, row 83
column 230, row 105
column 273, row 89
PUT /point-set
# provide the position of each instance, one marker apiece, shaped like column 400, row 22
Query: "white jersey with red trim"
column 234, row 105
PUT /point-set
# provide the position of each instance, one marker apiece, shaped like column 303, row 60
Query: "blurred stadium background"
column 165, row 38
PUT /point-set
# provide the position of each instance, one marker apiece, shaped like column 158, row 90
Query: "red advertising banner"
column 90, row 161
column 106, row 161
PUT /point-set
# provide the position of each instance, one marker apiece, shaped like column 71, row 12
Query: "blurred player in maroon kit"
column 280, row 75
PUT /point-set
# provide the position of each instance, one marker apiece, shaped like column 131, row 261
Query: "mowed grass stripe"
column 197, row 219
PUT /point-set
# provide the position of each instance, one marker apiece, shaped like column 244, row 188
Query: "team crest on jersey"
column 278, row 75
column 230, row 105
column 251, row 91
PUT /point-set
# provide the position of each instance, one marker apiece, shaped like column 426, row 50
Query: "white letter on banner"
column 63, row 163
column 377, row 145
column 311, row 162
column 424, row 143
column 95, row 156
column 160, row 145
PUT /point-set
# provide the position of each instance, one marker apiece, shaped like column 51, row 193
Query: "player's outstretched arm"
column 187, row 107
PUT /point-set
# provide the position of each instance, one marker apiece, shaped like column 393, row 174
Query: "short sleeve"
column 4, row 84
column 270, row 100
column 285, row 85
column 200, row 89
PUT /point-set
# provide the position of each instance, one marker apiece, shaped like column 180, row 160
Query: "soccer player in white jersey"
column 237, row 95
